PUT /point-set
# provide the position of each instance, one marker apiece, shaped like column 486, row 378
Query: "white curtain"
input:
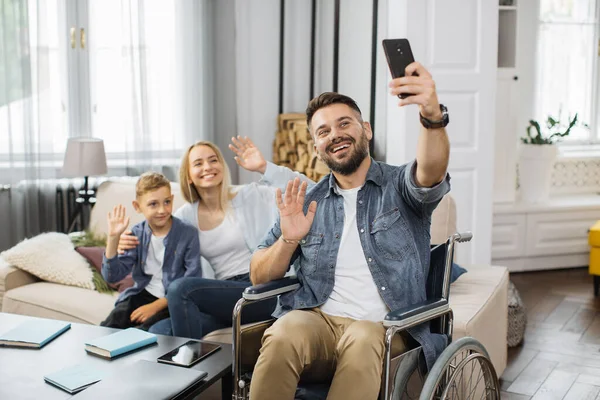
column 141, row 81
column 32, row 122
column 566, row 63
column 150, row 78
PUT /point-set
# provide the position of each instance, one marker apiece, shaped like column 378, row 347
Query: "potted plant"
column 537, row 156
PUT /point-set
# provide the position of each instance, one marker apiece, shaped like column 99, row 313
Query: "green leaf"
column 99, row 282
column 551, row 122
column 88, row 239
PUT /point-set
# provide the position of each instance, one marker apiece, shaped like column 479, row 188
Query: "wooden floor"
column 560, row 356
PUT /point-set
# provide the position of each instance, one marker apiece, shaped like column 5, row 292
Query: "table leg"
column 226, row 387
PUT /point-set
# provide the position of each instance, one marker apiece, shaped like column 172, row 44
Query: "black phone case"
column 399, row 55
column 163, row 359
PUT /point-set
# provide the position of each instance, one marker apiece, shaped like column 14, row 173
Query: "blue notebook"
column 120, row 342
column 34, row 333
column 75, row 378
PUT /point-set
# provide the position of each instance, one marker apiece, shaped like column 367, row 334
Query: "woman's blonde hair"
column 188, row 190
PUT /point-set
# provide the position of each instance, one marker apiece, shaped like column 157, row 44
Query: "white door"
column 456, row 40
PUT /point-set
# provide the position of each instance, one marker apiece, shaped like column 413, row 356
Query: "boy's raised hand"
column 117, row 221
column 248, row 156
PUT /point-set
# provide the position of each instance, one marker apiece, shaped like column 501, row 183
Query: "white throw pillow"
column 51, row 257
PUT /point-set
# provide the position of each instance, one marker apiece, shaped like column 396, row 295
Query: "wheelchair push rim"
column 462, row 372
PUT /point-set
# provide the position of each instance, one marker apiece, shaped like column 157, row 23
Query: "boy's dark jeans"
column 119, row 317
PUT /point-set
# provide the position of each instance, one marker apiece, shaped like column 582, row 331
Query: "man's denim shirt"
column 182, row 258
column 393, row 217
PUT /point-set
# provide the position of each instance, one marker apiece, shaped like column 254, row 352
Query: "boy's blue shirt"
column 182, row 258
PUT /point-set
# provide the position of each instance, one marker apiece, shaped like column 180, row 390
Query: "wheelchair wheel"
column 462, row 372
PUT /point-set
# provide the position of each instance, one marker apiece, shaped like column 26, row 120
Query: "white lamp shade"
column 84, row 157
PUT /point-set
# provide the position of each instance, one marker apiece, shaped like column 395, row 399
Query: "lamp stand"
column 85, row 198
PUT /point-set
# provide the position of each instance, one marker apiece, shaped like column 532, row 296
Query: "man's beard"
column 349, row 165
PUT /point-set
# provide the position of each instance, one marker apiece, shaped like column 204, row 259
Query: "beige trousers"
column 314, row 346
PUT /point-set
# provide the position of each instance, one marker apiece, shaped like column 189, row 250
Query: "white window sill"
column 111, row 163
column 15, row 171
column 579, row 152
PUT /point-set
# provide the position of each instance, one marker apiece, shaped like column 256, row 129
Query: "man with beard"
column 359, row 241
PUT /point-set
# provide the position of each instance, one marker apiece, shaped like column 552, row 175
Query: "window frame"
column 579, row 148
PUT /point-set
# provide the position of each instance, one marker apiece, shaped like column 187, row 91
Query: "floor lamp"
column 85, row 157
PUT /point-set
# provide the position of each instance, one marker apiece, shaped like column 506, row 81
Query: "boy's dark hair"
column 327, row 99
column 150, row 181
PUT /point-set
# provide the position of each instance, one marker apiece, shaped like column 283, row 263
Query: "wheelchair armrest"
column 271, row 289
column 416, row 314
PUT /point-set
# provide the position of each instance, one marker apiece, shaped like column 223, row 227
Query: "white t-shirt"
column 154, row 264
column 354, row 292
column 225, row 248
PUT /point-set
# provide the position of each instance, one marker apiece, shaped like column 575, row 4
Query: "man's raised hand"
column 422, row 87
column 294, row 224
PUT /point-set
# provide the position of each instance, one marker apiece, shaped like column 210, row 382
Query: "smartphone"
column 399, row 55
column 189, row 353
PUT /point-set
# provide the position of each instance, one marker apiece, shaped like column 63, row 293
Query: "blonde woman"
column 231, row 221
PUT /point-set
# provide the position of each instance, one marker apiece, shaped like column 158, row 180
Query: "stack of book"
column 120, row 343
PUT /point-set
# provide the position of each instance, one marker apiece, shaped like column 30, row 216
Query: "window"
column 31, row 79
column 567, row 65
column 134, row 78
column 128, row 72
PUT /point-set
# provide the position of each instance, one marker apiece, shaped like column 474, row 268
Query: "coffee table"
column 22, row 370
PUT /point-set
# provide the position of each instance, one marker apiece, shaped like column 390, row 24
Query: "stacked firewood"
column 293, row 147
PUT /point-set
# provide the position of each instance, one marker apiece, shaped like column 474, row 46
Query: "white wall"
column 224, row 67
column 257, row 62
column 515, row 101
column 466, row 73
column 456, row 40
column 257, row 73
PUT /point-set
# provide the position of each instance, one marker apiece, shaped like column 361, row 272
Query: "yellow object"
column 594, row 267
column 594, row 261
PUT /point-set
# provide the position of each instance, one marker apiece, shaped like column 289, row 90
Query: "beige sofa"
column 478, row 298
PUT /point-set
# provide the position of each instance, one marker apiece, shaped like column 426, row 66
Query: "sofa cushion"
column 55, row 301
column 443, row 220
column 479, row 300
column 94, row 256
column 456, row 272
column 52, row 257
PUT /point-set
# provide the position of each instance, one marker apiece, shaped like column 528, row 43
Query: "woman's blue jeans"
column 199, row 306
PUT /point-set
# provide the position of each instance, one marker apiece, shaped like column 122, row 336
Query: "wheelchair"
column 463, row 371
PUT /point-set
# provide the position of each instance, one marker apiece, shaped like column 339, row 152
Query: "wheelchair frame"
column 395, row 321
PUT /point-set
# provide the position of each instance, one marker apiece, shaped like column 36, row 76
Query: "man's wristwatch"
column 429, row 124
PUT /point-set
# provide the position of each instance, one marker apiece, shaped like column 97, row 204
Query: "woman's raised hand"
column 248, row 156
column 294, row 224
column 127, row 241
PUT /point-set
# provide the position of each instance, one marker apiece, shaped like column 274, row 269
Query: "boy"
column 169, row 249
